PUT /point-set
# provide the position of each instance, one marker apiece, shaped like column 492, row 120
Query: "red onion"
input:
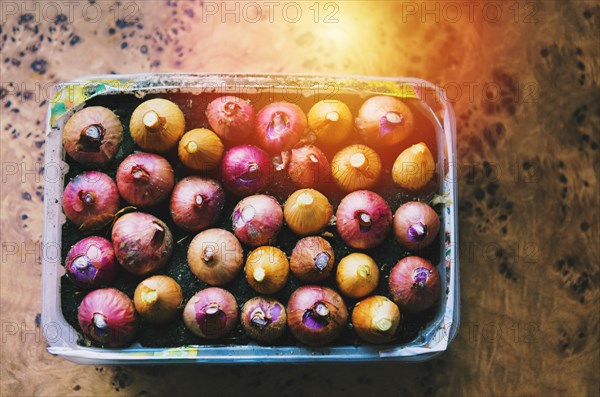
column 91, row 262
column 316, row 315
column 91, row 200
column 414, row 284
column 264, row 319
column 196, row 203
column 363, row 219
column 107, row 316
column 246, row 169
column 312, row 259
column 215, row 256
column 143, row 243
column 257, row 219
column 416, row 225
column 280, row 125
column 145, row 179
column 309, row 167
column 211, row 313
column 231, row 118
column 384, row 121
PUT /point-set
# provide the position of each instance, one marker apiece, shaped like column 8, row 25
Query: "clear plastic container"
column 69, row 97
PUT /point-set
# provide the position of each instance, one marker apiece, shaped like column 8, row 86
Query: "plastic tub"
column 69, row 97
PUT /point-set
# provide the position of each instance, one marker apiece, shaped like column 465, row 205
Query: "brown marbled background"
column 524, row 77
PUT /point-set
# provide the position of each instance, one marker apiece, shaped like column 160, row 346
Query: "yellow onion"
column 384, row 121
column 356, row 167
column 215, row 256
column 357, row 275
column 157, row 125
column 307, row 211
column 157, row 299
column 376, row 319
column 312, row 259
column 414, row 167
column 331, row 121
column 92, row 136
column 200, row 149
column 267, row 269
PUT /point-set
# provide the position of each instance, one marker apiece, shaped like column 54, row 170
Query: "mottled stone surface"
column 524, row 80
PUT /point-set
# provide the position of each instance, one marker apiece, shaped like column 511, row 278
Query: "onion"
column 200, row 149
column 376, row 319
column 92, row 136
column 331, row 121
column 107, row 317
column 91, row 200
column 414, row 167
column 256, row 220
column 145, row 179
column 215, row 256
column 357, row 275
column 363, row 219
column 157, row 125
column 246, row 170
column 316, row 315
column 414, row 284
column 416, row 225
column 196, row 203
column 384, row 121
column 356, row 167
column 267, row 269
column 157, row 299
column 279, row 126
column 307, row 211
column 308, row 167
column 264, row 319
column 312, row 259
column 232, row 118
column 211, row 313
column 91, row 262
column 143, row 243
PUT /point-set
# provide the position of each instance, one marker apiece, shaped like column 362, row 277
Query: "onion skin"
column 267, row 269
column 157, row 299
column 215, row 256
column 307, row 211
column 145, row 179
column 264, row 319
column 231, row 118
column 376, row 319
column 246, row 170
column 143, row 243
column 212, row 313
column 414, row 284
column 256, row 220
column 357, row 275
column 416, row 225
column 384, row 121
column 331, row 121
column 156, row 125
column 92, row 136
column 308, row 167
column 107, row 317
column 91, row 200
column 414, row 168
column 200, row 149
column 279, row 126
column 363, row 219
column 304, row 320
column 356, row 167
column 91, row 263
column 196, row 203
column 312, row 259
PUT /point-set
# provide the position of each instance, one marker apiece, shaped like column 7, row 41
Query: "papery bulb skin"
column 200, row 149
column 91, row 200
column 267, row 269
column 357, row 275
column 376, row 319
column 211, row 314
column 331, row 121
column 92, row 136
column 157, row 299
column 364, row 219
column 279, row 126
column 231, row 118
column 312, row 259
column 196, row 203
column 145, row 179
column 264, row 319
column 384, row 121
column 356, row 167
column 415, row 284
column 246, row 170
column 91, row 263
column 257, row 220
column 414, row 168
column 307, row 212
column 308, row 167
column 215, row 256
column 157, row 125
column 416, row 225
